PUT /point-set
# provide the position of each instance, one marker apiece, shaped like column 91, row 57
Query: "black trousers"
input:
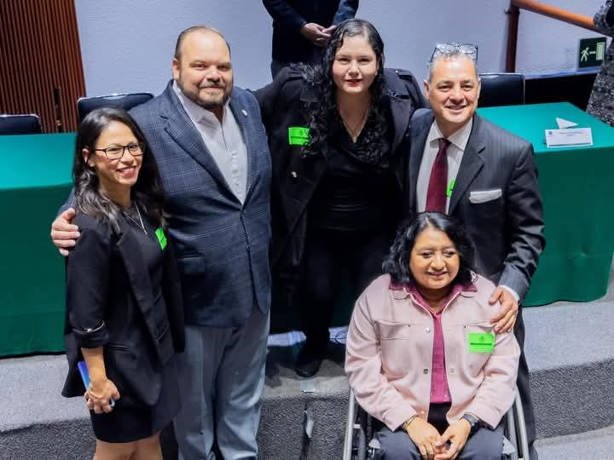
column 328, row 255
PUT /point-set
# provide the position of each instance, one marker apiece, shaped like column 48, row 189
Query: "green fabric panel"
column 35, row 179
column 578, row 206
column 36, row 160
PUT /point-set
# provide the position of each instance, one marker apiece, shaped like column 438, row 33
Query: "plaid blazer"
column 222, row 245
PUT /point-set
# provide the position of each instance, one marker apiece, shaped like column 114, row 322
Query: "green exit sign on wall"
column 591, row 52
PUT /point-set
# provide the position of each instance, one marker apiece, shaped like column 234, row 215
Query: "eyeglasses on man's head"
column 452, row 49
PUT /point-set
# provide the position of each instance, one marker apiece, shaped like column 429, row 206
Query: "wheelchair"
column 359, row 443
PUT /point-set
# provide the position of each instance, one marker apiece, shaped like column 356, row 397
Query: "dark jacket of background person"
column 222, row 245
column 121, row 294
column 601, row 102
column 290, row 15
column 285, row 103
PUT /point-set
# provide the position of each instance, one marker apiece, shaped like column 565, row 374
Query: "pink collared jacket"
column 390, row 350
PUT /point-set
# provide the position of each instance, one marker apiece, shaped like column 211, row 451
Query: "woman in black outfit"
column 123, row 304
column 338, row 135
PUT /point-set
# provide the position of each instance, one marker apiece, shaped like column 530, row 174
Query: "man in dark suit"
column 211, row 148
column 467, row 167
column 301, row 28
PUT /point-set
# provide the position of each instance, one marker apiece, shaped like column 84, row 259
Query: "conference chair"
column 20, row 124
column 359, row 443
column 126, row 101
column 501, row 89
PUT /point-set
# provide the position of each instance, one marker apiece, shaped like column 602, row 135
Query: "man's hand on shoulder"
column 505, row 320
column 64, row 234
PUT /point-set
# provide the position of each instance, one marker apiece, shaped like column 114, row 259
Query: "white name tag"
column 569, row 136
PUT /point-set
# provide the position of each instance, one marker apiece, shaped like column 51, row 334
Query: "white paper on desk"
column 562, row 123
column 569, row 136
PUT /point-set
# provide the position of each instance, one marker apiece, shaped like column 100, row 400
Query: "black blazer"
column 285, row 103
column 289, row 16
column 496, row 197
column 109, row 303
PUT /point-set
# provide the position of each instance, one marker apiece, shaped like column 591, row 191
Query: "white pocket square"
column 483, row 196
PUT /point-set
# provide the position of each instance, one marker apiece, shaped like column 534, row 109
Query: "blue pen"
column 85, row 378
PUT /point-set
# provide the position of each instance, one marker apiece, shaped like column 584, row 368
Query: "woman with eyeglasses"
column 422, row 355
column 339, row 141
column 124, row 319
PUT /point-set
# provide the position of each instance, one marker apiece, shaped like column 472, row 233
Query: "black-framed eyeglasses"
column 116, row 152
column 449, row 49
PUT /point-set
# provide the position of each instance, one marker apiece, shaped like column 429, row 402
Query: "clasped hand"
column 432, row 445
column 100, row 396
column 317, row 34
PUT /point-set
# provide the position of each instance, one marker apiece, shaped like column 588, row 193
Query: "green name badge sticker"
column 298, row 135
column 450, row 188
column 161, row 237
column 481, row 342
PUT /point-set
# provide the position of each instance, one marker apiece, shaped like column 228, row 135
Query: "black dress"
column 350, row 224
column 126, row 312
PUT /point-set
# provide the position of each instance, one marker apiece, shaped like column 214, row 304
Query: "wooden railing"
column 544, row 9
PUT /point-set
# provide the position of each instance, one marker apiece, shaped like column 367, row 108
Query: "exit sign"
column 591, row 52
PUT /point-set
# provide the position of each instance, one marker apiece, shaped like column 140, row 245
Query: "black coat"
column 506, row 224
column 289, row 16
column 284, row 104
column 108, row 287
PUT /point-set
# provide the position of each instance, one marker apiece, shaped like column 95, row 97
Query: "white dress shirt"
column 458, row 142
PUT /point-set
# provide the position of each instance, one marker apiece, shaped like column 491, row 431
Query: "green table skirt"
column 575, row 184
column 579, row 226
column 32, row 272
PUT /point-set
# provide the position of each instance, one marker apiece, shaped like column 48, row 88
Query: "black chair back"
column 20, row 124
column 501, row 89
column 126, row 101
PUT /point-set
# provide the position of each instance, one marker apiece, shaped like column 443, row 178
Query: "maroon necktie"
column 436, row 194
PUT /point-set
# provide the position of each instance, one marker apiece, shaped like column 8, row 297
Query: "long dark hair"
column 146, row 192
column 323, row 113
column 397, row 262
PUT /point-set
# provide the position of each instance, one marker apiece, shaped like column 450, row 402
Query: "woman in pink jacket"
column 422, row 356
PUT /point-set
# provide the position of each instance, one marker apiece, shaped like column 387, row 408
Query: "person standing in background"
column 601, row 102
column 302, row 28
